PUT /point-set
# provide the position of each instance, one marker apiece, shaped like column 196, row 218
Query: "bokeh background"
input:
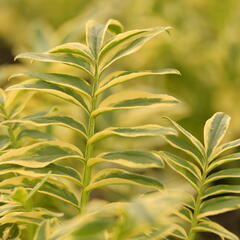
column 204, row 45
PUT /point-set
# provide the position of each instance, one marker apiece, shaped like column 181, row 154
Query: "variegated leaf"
column 54, row 169
column 62, row 92
column 117, row 176
column 73, row 82
column 132, row 132
column 127, row 43
column 130, row 158
column 51, row 187
column 51, row 120
column 68, row 59
column 73, row 48
column 95, row 33
column 213, row 227
column 184, row 168
column 134, row 99
column 221, row 189
column 124, row 76
column 214, row 131
column 40, row 154
column 219, row 205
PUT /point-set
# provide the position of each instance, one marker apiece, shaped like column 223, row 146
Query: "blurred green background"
column 204, row 45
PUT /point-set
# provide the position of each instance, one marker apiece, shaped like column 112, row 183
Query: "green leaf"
column 51, row 120
column 189, row 136
column 34, row 217
column 124, row 76
column 186, row 147
column 182, row 163
column 72, row 82
column 185, row 214
column 227, row 173
column 181, row 166
column 8, row 207
column 132, row 132
column 221, row 189
column 62, row 92
column 35, row 134
column 4, row 142
column 223, row 160
column 73, row 48
column 55, row 169
column 214, row 131
column 16, row 102
column 131, row 159
column 117, row 176
column 227, row 146
column 40, row 154
column 134, row 99
column 68, row 59
column 95, row 34
column 19, row 195
column 219, row 205
column 42, row 232
column 52, row 188
column 180, row 232
column 212, row 227
column 126, row 43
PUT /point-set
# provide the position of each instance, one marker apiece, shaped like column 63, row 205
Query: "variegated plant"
column 17, row 190
column 202, row 167
column 120, row 220
column 37, row 161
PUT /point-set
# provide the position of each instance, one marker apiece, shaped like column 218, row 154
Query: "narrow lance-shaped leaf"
column 221, row 189
column 185, row 169
column 219, row 205
column 73, row 48
column 40, row 154
column 131, row 158
column 68, row 59
column 35, row 134
column 51, row 120
column 124, row 76
column 51, row 187
column 214, row 131
column 212, row 227
column 73, row 82
column 191, row 167
column 189, row 136
column 126, row 43
column 34, row 217
column 185, row 146
column 117, row 176
column 134, row 99
column 16, row 102
column 226, row 146
column 42, row 232
column 95, row 33
column 132, row 132
column 4, row 142
column 55, row 169
column 62, row 92
column 223, row 160
column 226, row 173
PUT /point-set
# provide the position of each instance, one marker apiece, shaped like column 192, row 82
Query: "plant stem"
column 86, row 176
column 192, row 233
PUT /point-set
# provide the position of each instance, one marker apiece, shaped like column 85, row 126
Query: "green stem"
column 192, row 233
column 86, row 176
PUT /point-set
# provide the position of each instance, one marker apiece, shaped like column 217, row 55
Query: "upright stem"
column 86, row 176
column 192, row 233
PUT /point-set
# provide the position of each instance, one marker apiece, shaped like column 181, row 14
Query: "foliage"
column 202, row 171
column 36, row 165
